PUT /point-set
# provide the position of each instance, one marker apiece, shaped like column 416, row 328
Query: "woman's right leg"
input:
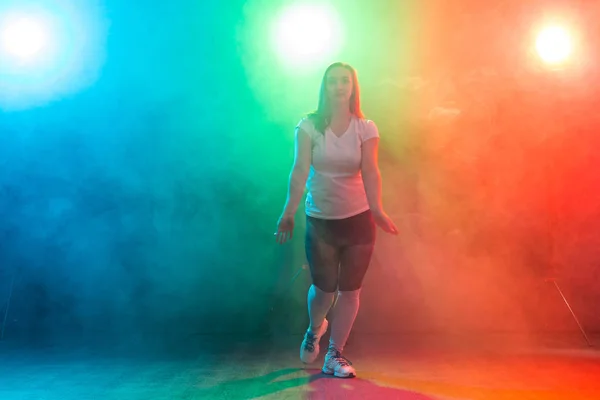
column 323, row 260
column 319, row 304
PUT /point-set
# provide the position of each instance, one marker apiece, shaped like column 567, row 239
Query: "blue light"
column 48, row 50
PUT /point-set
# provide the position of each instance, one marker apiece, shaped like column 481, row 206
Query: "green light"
column 305, row 35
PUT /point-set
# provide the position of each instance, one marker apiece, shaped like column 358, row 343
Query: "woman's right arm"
column 299, row 173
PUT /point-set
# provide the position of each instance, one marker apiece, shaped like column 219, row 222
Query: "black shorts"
column 339, row 251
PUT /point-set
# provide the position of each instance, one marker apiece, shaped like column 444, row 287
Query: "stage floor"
column 231, row 367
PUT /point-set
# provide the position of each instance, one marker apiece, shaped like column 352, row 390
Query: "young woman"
column 336, row 159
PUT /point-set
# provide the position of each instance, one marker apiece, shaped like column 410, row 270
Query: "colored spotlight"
column 307, row 34
column 24, row 38
column 48, row 50
column 553, row 45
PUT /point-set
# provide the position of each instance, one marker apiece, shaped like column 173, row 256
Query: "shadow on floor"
column 326, row 387
column 309, row 383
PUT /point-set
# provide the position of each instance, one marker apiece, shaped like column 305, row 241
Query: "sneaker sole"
column 331, row 372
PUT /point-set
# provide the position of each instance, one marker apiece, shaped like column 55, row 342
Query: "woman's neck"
column 340, row 112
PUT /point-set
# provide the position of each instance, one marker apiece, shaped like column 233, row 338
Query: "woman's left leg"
column 354, row 263
column 353, row 267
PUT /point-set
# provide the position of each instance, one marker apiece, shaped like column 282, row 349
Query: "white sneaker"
column 338, row 365
column 309, row 350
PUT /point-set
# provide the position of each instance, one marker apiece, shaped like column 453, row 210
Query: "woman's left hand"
column 384, row 222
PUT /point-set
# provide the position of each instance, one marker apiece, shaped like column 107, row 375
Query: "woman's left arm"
column 371, row 175
column 372, row 182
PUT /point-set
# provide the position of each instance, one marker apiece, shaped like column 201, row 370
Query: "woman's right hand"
column 285, row 228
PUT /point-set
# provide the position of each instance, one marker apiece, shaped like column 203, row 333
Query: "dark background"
column 142, row 207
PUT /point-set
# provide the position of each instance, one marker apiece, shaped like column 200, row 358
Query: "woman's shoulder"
column 364, row 123
column 366, row 128
column 308, row 123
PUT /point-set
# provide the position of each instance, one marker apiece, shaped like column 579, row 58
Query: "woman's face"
column 339, row 85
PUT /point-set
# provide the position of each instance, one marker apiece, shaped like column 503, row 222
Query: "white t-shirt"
column 335, row 185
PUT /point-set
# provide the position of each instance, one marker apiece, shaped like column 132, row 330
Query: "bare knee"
column 350, row 294
column 325, row 286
